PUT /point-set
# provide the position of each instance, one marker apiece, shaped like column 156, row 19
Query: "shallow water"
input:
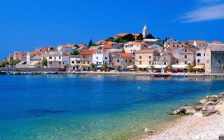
column 70, row 107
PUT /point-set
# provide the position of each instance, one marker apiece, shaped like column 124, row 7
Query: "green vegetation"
column 76, row 46
column 110, row 39
column 44, row 62
column 92, row 66
column 118, row 68
column 159, row 43
column 14, row 62
column 91, row 44
column 4, row 63
column 140, row 37
column 150, row 36
column 75, row 52
column 105, row 67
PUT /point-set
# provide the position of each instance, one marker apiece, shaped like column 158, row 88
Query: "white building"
column 57, row 59
column 100, row 58
column 170, row 41
column 144, row 31
column 75, row 62
column 200, row 56
column 200, row 43
column 66, row 48
column 133, row 46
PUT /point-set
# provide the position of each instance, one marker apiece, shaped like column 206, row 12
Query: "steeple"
column 144, row 31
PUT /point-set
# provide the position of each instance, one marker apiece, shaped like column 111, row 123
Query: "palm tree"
column 118, row 68
column 92, row 66
column 135, row 67
column 189, row 67
column 105, row 67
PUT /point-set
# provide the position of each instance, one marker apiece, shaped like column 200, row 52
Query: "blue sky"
column 26, row 24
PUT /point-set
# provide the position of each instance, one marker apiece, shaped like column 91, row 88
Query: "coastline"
column 196, row 126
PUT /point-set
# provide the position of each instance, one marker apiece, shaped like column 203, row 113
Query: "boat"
column 159, row 75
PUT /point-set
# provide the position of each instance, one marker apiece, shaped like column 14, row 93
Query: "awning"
column 179, row 66
column 198, row 67
column 159, row 66
column 99, row 66
column 143, row 66
column 130, row 67
column 86, row 65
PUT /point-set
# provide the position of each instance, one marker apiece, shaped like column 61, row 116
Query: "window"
column 185, row 62
column 118, row 61
column 219, row 54
column 185, row 50
column 59, row 63
column 140, row 62
column 126, row 61
column 73, row 62
column 149, row 62
column 105, row 57
column 164, row 63
column 140, row 57
column 130, row 61
column 164, row 58
column 185, row 56
column 59, row 57
column 150, row 57
column 219, row 61
column 88, row 62
column 198, row 54
column 204, row 54
column 198, row 60
column 50, row 57
column 96, row 57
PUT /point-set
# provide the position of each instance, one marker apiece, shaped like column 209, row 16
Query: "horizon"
column 27, row 24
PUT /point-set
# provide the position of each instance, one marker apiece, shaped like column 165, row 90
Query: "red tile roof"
column 87, row 52
column 125, row 54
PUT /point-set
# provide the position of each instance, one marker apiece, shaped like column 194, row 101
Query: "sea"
column 93, row 107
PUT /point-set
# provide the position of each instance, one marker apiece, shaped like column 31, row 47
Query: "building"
column 86, row 57
column 100, row 58
column 66, row 48
column 144, row 31
column 57, row 59
column 214, row 56
column 200, row 57
column 166, row 58
column 170, row 41
column 123, row 60
column 185, row 55
column 200, row 43
column 30, row 55
column 75, row 62
column 146, row 58
column 134, row 46
column 113, row 54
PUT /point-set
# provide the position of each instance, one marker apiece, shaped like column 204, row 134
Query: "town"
column 125, row 52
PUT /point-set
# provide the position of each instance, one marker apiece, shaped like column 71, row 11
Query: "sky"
column 27, row 24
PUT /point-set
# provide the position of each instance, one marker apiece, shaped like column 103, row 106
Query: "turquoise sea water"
column 71, row 107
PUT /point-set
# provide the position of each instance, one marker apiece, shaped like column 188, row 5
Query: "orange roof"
column 67, row 53
column 125, row 54
column 107, row 47
column 200, row 41
column 217, row 42
column 101, row 41
column 68, row 46
column 123, row 34
column 23, row 56
column 33, row 53
column 87, row 52
column 171, row 47
column 145, row 51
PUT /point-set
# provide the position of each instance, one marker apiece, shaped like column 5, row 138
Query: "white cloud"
column 212, row 12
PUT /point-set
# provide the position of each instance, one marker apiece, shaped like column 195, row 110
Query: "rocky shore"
column 203, row 121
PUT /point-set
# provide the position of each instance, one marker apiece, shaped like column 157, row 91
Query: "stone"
column 213, row 98
column 221, row 95
column 148, row 131
column 221, row 137
column 175, row 112
column 187, row 110
column 208, row 111
column 198, row 108
column 202, row 101
column 211, row 103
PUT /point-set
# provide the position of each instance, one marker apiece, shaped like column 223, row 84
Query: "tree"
column 135, row 67
column 91, row 43
column 140, row 37
column 110, row 39
column 105, row 67
column 14, row 62
column 118, row 68
column 76, row 46
column 4, row 63
column 150, row 36
column 75, row 52
column 120, row 40
column 129, row 37
column 44, row 62
column 189, row 67
column 92, row 66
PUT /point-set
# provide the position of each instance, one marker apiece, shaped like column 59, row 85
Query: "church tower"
column 144, row 31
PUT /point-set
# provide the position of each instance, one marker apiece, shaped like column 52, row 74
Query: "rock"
column 198, row 108
column 208, row 111
column 175, row 112
column 213, row 98
column 221, row 95
column 150, row 132
column 211, row 103
column 187, row 110
column 221, row 137
column 202, row 101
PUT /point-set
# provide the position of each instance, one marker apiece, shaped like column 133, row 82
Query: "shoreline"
column 196, row 126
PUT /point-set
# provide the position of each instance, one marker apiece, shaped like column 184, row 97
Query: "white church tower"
column 144, row 31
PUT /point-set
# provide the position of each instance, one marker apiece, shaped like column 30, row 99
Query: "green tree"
column 140, row 37
column 76, row 46
column 189, row 67
column 120, row 40
column 44, row 62
column 135, row 67
column 75, row 52
column 129, row 37
column 105, row 67
column 4, row 63
column 14, row 62
column 92, row 66
column 110, row 39
column 91, row 43
column 150, row 36
column 118, row 68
